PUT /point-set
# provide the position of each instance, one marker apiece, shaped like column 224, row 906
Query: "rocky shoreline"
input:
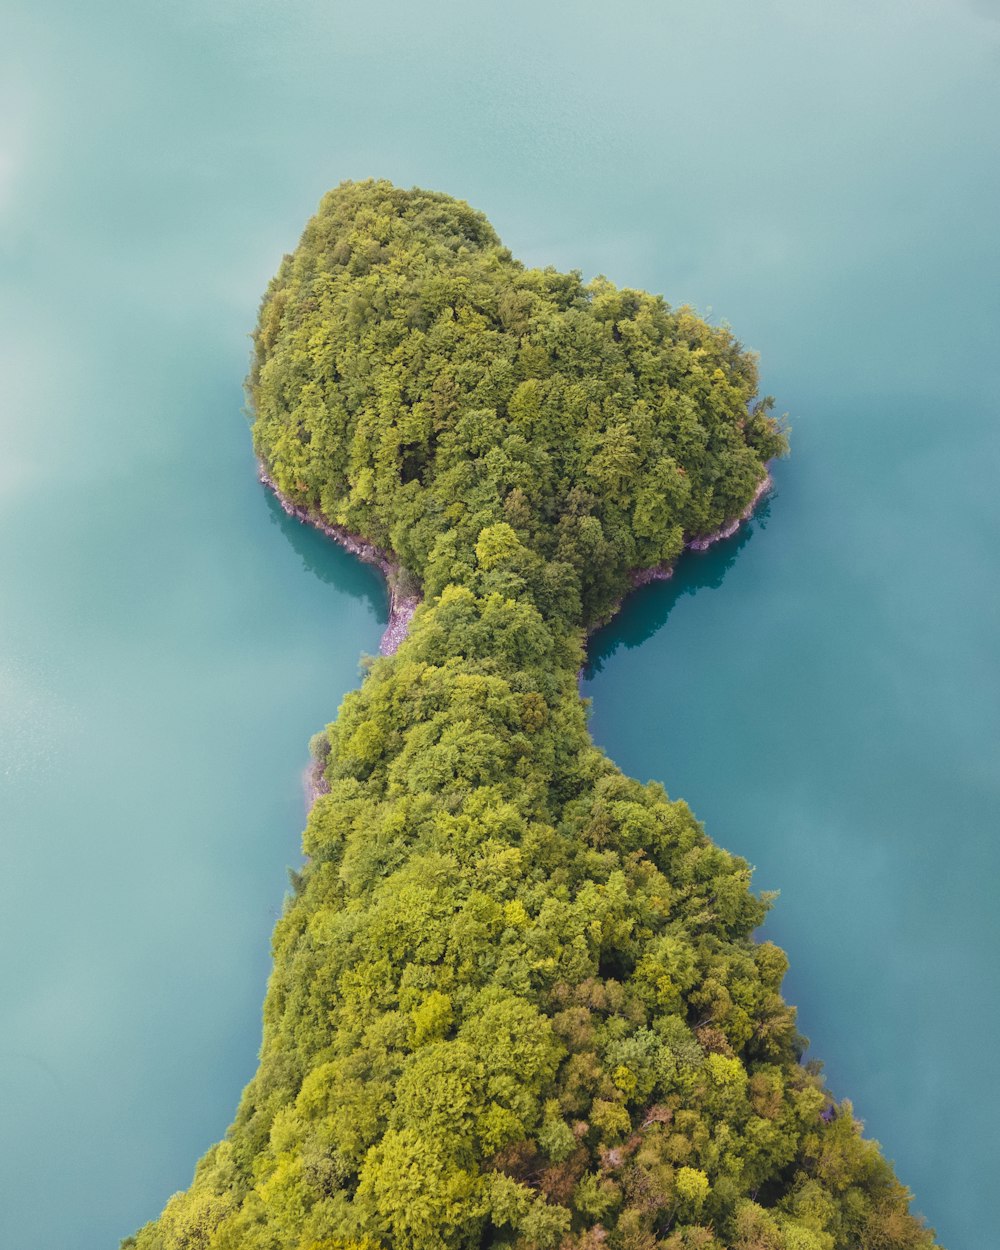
column 401, row 607
column 729, row 529
column 663, row 572
column 314, row 782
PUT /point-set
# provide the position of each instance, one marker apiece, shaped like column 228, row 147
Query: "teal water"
column 823, row 689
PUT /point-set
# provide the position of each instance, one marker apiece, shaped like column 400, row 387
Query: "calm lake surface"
column 823, row 689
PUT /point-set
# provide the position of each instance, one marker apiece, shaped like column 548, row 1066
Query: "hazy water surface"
column 823, row 689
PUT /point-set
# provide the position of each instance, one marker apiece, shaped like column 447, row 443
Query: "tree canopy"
column 417, row 385
column 517, row 1000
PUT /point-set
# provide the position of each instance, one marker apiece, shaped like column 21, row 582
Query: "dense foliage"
column 415, row 384
column 516, row 998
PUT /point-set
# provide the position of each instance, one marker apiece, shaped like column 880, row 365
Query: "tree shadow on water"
column 322, row 557
column 646, row 610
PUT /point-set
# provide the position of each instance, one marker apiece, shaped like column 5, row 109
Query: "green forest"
column 517, row 999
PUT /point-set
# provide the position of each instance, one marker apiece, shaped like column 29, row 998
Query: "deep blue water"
column 823, row 689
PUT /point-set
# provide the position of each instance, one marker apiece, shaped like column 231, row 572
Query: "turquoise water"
column 823, row 689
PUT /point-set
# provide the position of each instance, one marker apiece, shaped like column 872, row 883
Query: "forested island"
column 517, row 1000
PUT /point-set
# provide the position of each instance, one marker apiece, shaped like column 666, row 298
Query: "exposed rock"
column 401, row 607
